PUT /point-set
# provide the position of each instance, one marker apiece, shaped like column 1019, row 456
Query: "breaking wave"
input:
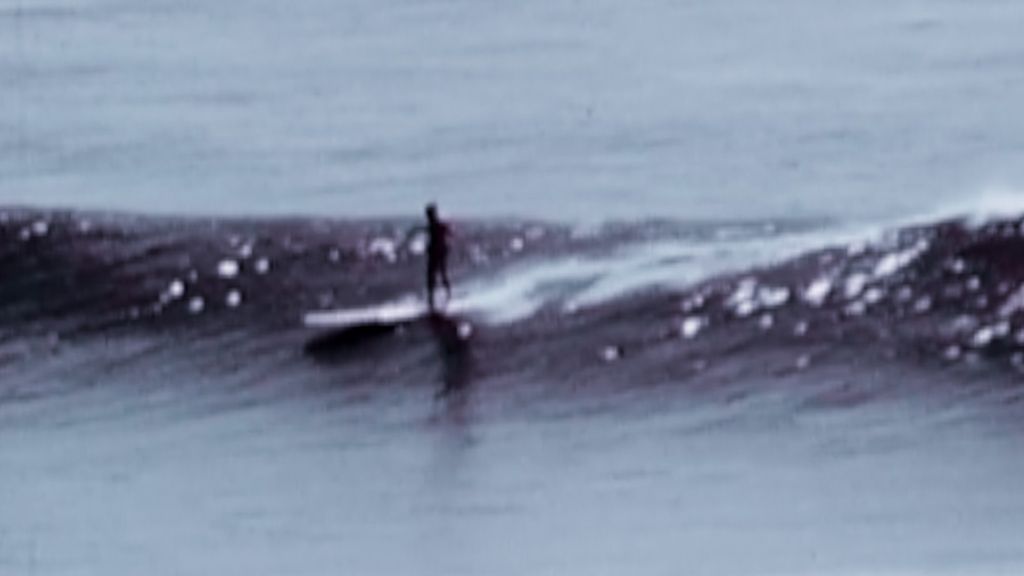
column 643, row 302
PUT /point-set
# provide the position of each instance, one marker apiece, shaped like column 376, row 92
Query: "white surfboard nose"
column 389, row 313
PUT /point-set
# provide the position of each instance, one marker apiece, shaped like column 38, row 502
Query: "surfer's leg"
column 431, row 282
column 442, row 271
column 447, row 284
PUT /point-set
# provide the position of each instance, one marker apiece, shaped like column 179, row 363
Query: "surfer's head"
column 431, row 211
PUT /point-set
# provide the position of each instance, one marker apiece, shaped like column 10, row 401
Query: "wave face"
column 645, row 384
column 648, row 302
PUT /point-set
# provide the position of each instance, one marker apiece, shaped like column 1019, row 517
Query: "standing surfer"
column 438, row 233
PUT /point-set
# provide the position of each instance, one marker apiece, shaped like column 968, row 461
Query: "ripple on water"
column 801, row 328
column 952, row 353
column 923, row 304
column 611, row 353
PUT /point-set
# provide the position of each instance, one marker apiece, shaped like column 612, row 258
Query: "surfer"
column 438, row 232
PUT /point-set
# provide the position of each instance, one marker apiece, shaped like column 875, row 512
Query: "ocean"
column 741, row 286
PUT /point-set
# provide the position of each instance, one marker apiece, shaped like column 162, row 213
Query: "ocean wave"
column 647, row 301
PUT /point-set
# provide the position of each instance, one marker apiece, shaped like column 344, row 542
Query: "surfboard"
column 338, row 333
column 389, row 314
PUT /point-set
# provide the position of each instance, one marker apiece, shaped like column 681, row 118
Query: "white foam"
column 383, row 248
column 893, row 262
column 964, row 323
column 693, row 303
column 746, row 308
column 228, row 269
column 854, row 285
column 677, row 263
column 196, row 305
column 176, row 289
column 874, row 295
column 611, row 353
column 856, row 308
column 772, row 297
column 742, row 299
column 574, row 283
column 952, row 353
column 1001, row 329
column 818, row 291
column 983, row 337
column 857, row 248
column 691, row 327
column 1014, row 303
column 923, row 304
column 40, row 227
column 522, row 290
column 982, row 207
column 801, row 328
column 418, row 245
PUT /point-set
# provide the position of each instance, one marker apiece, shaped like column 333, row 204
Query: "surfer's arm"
column 412, row 233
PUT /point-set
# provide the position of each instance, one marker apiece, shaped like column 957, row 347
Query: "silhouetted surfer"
column 438, row 233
